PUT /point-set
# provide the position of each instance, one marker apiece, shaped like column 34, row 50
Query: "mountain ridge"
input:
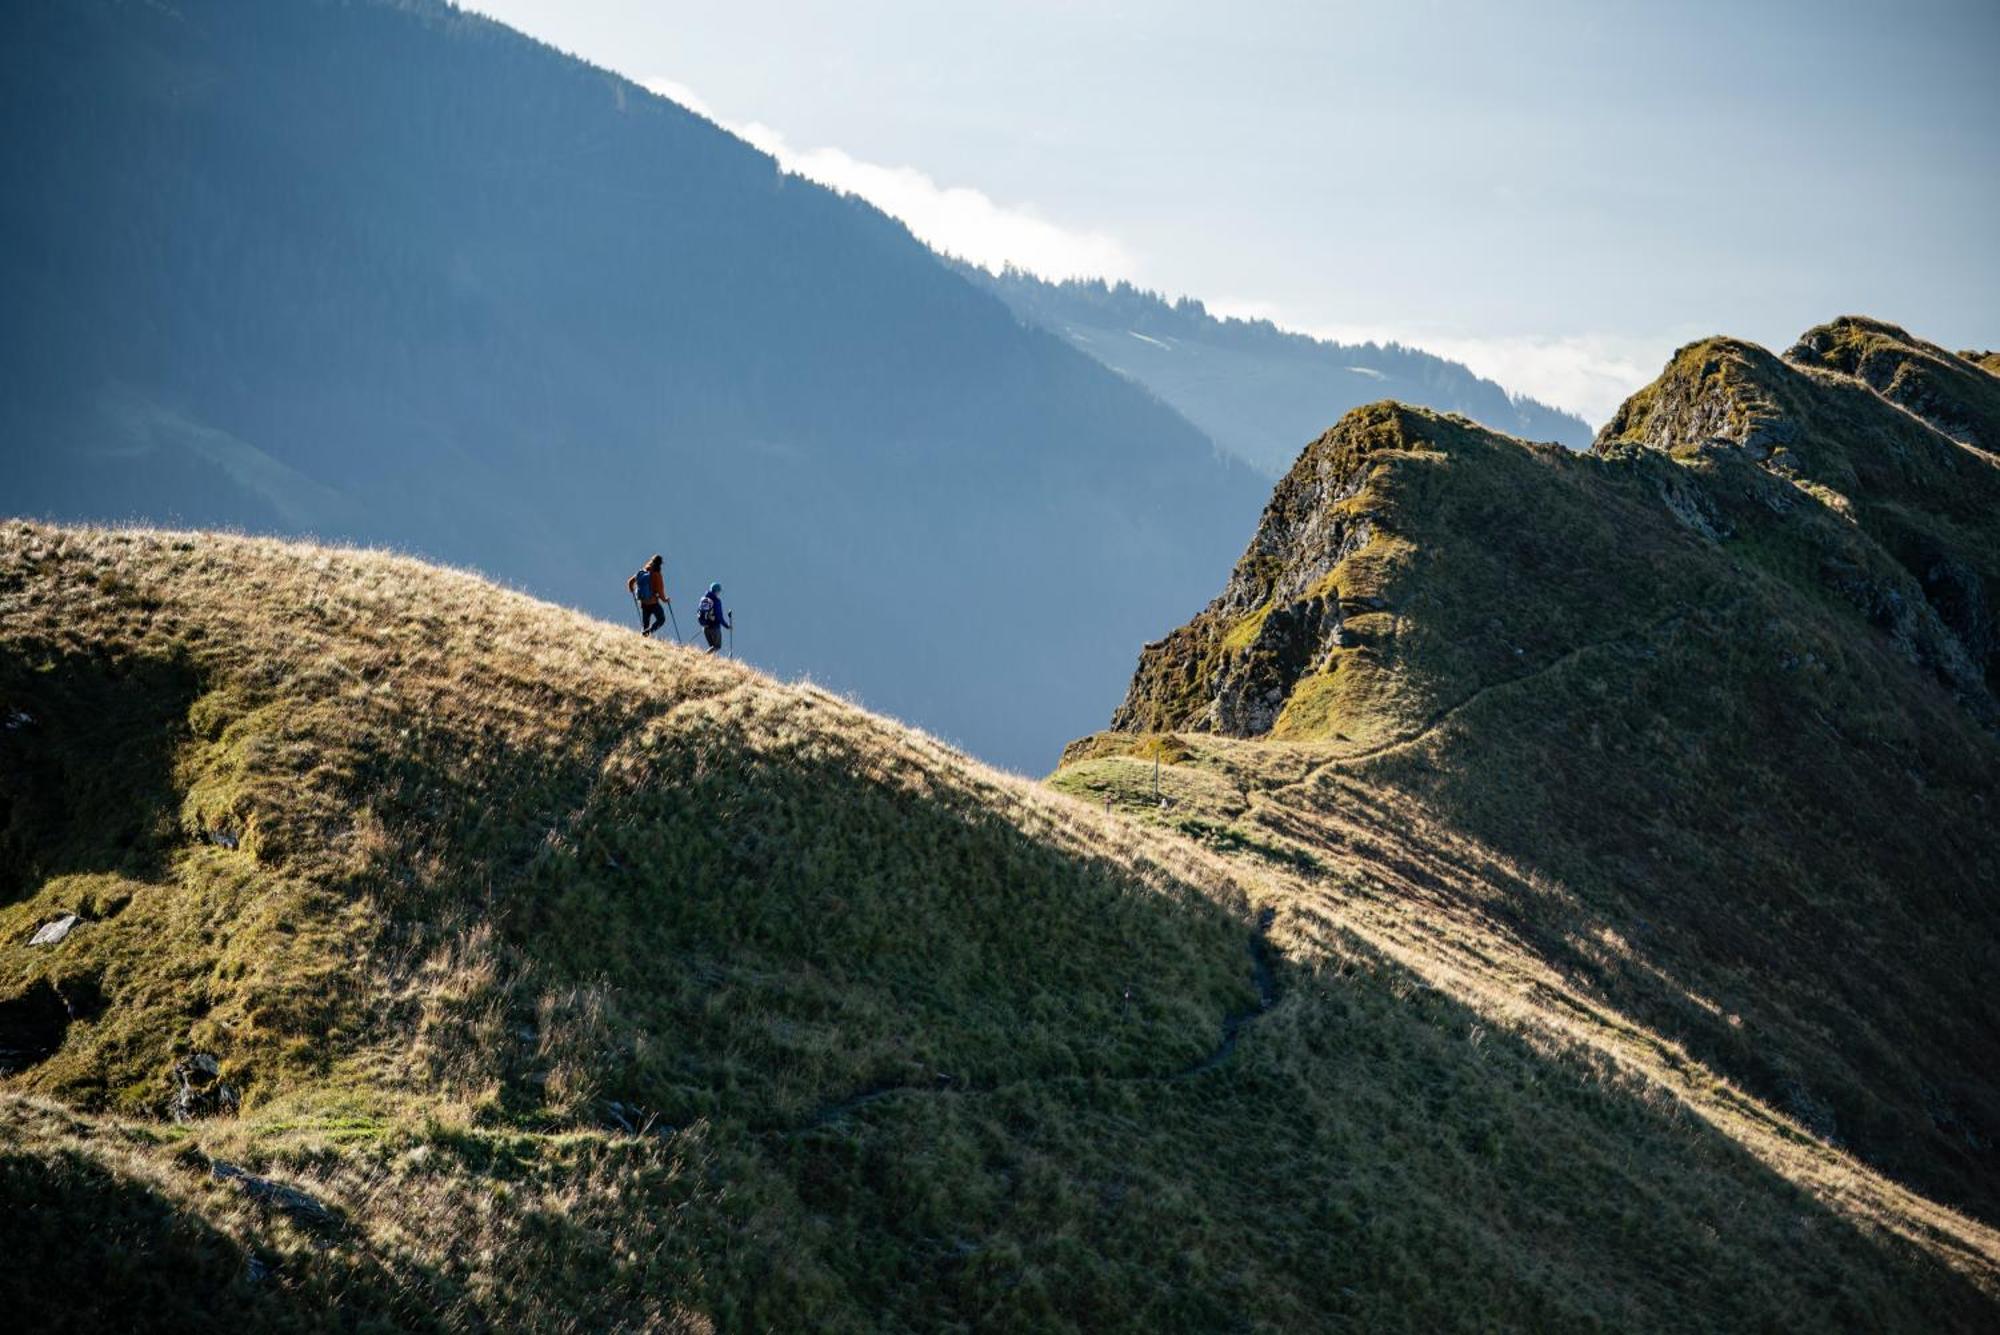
column 1749, row 632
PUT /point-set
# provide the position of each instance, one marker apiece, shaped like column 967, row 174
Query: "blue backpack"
column 646, row 585
column 706, row 614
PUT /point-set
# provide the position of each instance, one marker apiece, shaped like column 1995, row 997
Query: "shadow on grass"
column 1371, row 1156
column 1857, row 1013
column 87, row 764
column 712, row 923
column 90, row 1251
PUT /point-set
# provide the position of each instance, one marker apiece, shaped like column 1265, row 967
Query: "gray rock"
column 276, row 1195
column 200, row 1090
column 52, row 933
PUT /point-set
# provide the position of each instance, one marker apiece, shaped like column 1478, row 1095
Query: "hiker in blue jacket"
column 712, row 618
column 649, row 589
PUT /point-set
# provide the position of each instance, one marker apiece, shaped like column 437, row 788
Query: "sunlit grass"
column 553, row 961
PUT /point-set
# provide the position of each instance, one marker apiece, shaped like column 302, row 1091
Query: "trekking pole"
column 732, row 637
column 676, row 621
column 640, row 610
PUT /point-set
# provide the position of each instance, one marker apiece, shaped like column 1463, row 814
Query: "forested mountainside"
column 1718, row 695
column 1259, row 391
column 393, row 272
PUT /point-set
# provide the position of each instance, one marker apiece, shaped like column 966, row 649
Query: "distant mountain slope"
column 1259, row 391
column 1717, row 697
column 561, row 980
column 393, row 272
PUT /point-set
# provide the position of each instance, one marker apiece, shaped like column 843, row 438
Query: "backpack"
column 645, row 585
column 706, row 614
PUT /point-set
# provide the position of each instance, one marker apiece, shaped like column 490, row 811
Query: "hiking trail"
column 1263, row 975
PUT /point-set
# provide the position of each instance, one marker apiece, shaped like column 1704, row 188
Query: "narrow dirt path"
column 1236, row 1022
column 1263, row 973
column 1445, row 715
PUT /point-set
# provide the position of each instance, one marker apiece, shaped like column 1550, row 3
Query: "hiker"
column 712, row 618
column 649, row 589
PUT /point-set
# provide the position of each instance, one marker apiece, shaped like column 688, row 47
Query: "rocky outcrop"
column 1955, row 395
column 1280, row 617
column 1712, row 395
column 199, row 1089
column 1409, row 560
column 1882, row 429
column 304, row 1209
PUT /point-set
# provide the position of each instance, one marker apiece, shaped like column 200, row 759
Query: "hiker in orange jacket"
column 649, row 589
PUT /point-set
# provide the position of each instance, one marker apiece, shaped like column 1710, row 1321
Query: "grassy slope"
column 497, row 868
column 1892, row 448
column 1673, row 737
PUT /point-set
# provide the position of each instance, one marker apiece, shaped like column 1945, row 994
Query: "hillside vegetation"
column 562, row 978
column 1696, row 730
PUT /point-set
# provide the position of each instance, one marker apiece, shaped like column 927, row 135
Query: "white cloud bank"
column 1589, row 374
column 955, row 219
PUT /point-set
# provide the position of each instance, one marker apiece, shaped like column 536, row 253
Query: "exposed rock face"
column 1890, row 432
column 1860, row 454
column 199, row 1090
column 1710, row 396
column 1279, row 618
column 1253, row 685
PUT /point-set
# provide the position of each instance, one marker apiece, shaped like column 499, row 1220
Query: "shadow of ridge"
column 845, row 883
column 87, row 763
column 1376, row 1154
column 1670, row 973
column 88, row 1250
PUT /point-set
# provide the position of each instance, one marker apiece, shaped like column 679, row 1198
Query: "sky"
column 1556, row 193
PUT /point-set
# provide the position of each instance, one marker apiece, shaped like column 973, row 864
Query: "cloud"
column 1590, row 374
column 675, row 91
column 955, row 219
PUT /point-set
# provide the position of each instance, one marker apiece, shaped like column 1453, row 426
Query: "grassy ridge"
column 1693, row 733
column 376, row 815
column 584, row 981
column 1749, row 634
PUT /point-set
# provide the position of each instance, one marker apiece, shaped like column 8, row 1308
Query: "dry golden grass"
column 589, row 983
column 1449, row 909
